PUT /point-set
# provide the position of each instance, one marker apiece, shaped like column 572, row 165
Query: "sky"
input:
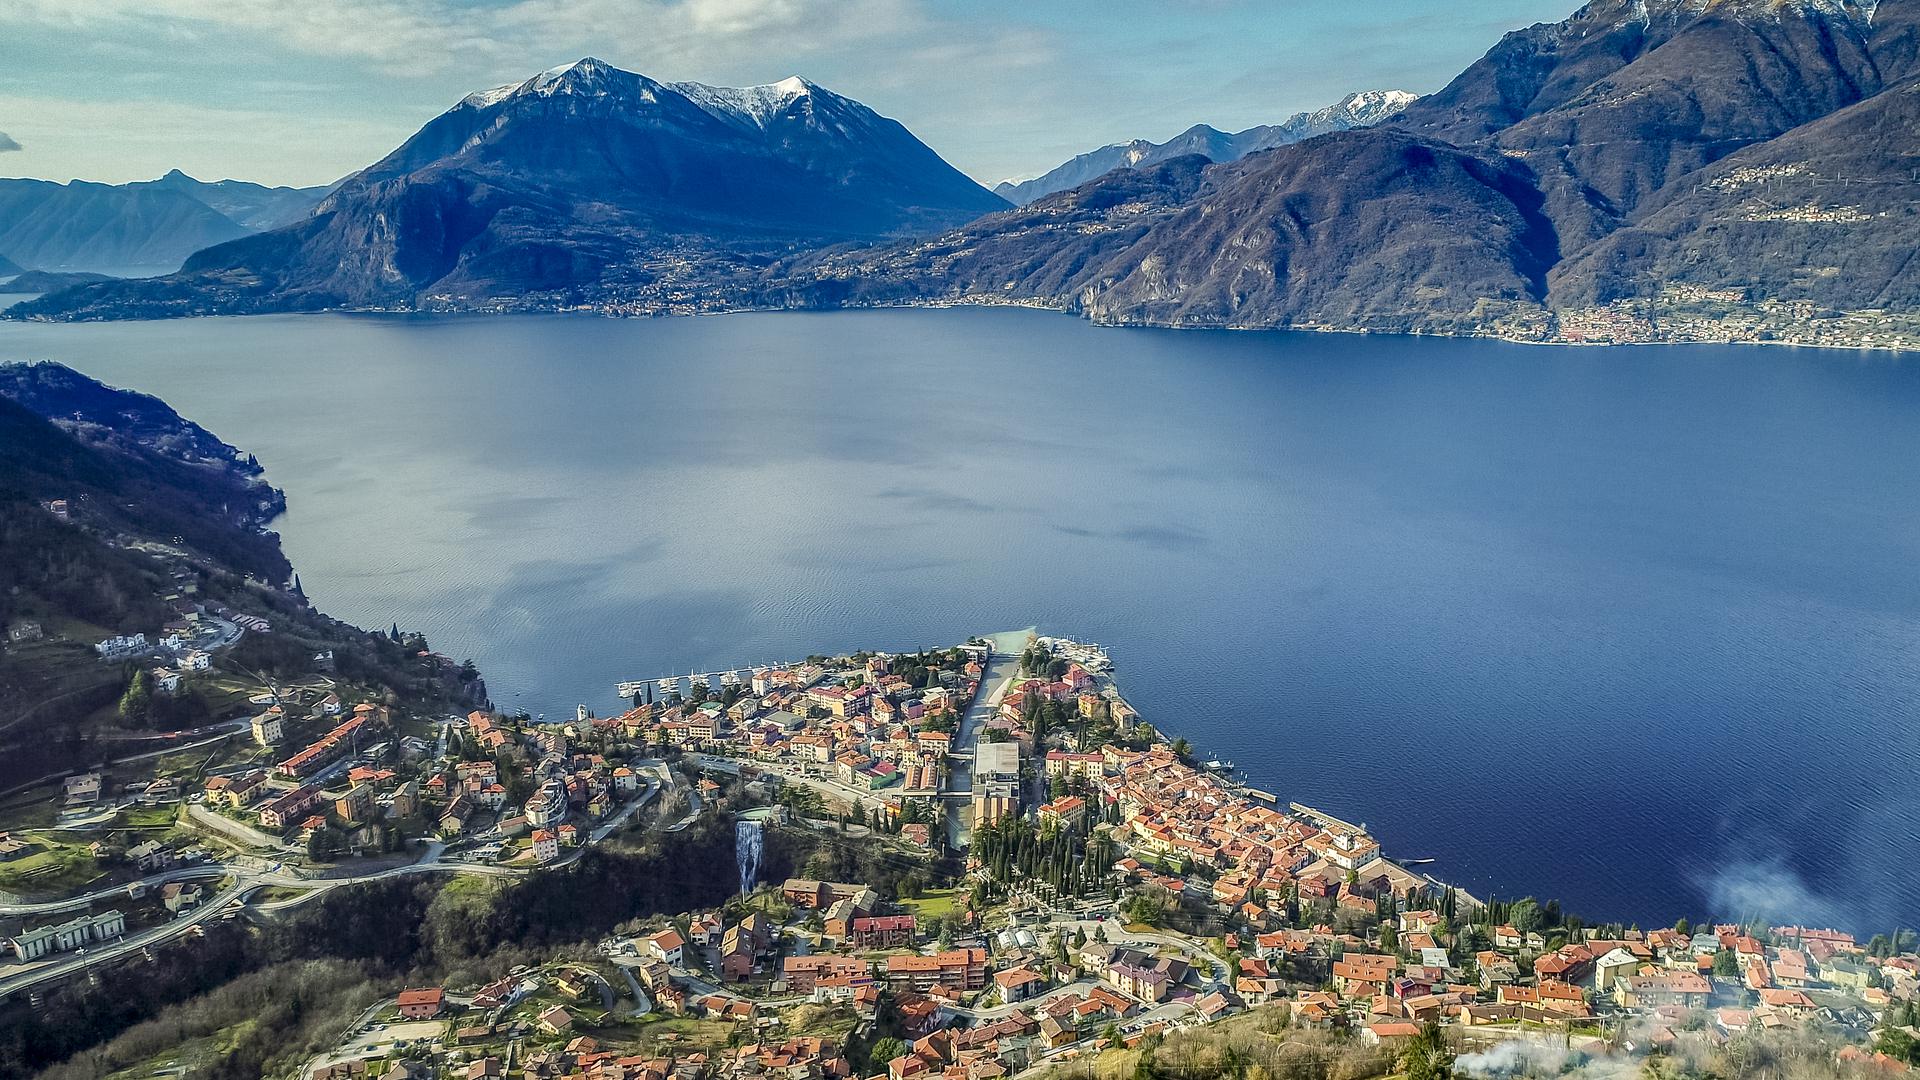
column 305, row 91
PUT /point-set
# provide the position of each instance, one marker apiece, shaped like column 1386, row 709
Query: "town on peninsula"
column 964, row 863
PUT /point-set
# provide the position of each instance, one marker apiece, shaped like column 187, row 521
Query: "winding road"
column 247, row 879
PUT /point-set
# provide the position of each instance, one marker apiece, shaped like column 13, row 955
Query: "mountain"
column 251, row 206
column 1727, row 168
column 1641, row 170
column 1352, row 229
column 1355, row 110
column 127, row 466
column 1040, row 250
column 1627, row 95
column 46, row 281
column 1824, row 215
column 116, row 514
column 130, row 230
column 1895, row 44
column 577, row 182
column 7, row 267
column 104, row 228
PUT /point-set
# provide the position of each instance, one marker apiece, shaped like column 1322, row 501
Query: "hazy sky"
column 305, row 91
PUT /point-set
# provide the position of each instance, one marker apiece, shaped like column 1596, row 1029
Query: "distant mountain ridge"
column 139, row 228
column 248, row 205
column 583, row 178
column 1362, row 109
column 1641, row 170
column 45, row 281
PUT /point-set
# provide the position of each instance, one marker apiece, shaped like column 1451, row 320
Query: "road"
column 607, row 996
column 234, row 895
column 203, row 872
column 1077, row 988
column 693, row 801
column 642, row 1005
column 246, row 880
column 606, row 829
column 68, row 963
column 1003, row 664
column 169, row 748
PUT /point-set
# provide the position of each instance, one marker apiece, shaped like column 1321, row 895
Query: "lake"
column 1638, row 628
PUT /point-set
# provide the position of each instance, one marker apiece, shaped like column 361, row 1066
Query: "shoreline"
column 608, row 312
column 1314, row 815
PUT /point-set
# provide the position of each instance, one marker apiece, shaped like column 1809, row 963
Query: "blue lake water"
column 1638, row 628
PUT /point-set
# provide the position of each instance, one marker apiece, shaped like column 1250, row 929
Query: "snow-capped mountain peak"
column 1372, row 106
column 585, row 77
column 481, row 99
column 1363, row 109
column 753, row 106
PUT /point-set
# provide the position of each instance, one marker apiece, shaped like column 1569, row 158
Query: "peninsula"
column 969, row 862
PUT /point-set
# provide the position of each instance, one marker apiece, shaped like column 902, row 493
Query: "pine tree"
column 136, row 705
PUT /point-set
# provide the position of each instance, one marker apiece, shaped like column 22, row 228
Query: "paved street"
column 247, row 879
column 1001, row 668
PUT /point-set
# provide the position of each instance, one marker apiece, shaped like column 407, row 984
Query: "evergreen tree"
column 136, row 705
column 1427, row 1056
column 1726, row 964
column 886, row 1050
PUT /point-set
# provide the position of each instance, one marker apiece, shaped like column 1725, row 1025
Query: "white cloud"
column 896, row 55
column 1006, row 88
column 428, row 36
column 152, row 137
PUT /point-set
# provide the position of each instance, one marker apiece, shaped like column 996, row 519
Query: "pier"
column 671, row 684
column 1324, row 820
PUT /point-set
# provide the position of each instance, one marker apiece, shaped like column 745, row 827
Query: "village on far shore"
column 1048, row 879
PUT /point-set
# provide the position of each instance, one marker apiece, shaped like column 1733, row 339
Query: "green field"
column 935, row 904
column 149, row 817
column 60, row 868
column 655, row 1032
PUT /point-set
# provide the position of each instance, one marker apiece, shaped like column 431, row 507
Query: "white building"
column 996, row 760
column 667, row 946
column 546, row 846
column 548, row 807
column 84, row 788
column 151, row 855
column 268, row 727
column 41, row 941
column 122, row 645
column 996, row 770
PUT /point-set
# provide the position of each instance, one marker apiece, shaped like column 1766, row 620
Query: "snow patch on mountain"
column 1363, row 109
column 481, row 99
column 585, row 77
column 753, row 106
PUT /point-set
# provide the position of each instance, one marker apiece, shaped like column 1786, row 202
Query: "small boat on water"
column 1217, row 765
column 1416, row 862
